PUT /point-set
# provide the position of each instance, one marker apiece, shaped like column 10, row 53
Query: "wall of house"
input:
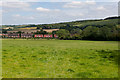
column 25, row 35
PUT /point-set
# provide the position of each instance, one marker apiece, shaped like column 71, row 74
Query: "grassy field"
column 59, row 59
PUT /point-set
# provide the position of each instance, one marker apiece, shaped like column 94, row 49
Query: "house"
column 28, row 35
column 0, row 35
column 38, row 35
column 47, row 36
column 13, row 35
column 55, row 36
column 4, row 35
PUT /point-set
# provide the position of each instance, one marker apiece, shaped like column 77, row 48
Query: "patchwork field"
column 59, row 59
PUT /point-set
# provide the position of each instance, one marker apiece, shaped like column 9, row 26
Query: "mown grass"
column 59, row 59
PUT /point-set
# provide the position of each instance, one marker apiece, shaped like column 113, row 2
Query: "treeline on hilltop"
column 110, row 21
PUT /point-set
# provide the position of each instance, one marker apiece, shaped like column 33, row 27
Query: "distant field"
column 29, row 28
column 59, row 59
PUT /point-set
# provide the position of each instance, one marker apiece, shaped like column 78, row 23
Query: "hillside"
column 109, row 22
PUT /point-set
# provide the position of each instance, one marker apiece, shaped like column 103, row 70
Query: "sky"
column 55, row 11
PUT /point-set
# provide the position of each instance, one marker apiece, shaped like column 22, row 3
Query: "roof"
column 24, row 30
column 14, row 34
column 32, row 30
column 26, row 34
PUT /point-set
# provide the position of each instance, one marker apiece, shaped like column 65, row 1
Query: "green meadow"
column 59, row 59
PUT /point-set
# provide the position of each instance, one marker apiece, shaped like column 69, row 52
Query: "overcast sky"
column 18, row 12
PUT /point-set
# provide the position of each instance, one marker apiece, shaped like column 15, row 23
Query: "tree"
column 91, row 33
column 41, row 32
column 53, row 33
column 4, row 31
column 114, row 33
column 87, row 32
column 105, row 33
column 63, row 34
column 19, row 32
column 69, row 27
column 76, row 31
column 76, row 34
column 38, row 27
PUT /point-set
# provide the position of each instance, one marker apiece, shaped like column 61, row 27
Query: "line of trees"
column 90, row 33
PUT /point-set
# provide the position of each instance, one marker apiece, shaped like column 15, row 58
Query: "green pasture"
column 59, row 59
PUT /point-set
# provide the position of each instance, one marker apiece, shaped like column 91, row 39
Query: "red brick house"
column 55, row 36
column 38, row 35
column 3, row 35
column 47, row 36
column 28, row 35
